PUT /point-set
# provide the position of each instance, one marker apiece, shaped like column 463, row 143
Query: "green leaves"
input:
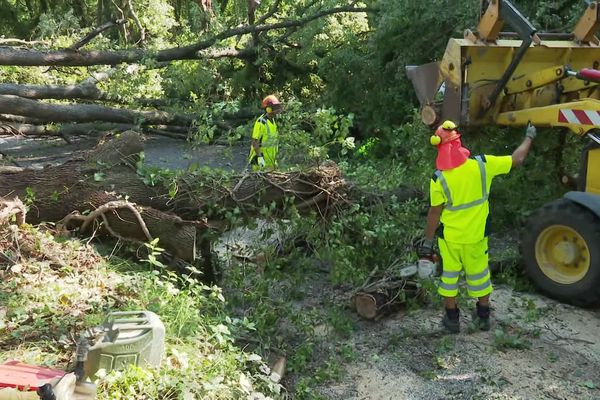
column 504, row 339
column 99, row 176
column 589, row 385
column 153, row 253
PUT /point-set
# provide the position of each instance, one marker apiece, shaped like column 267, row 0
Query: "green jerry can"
column 130, row 337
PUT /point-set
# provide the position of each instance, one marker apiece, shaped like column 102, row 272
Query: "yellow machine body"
column 538, row 90
column 590, row 181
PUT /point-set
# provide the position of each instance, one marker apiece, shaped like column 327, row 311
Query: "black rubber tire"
column 585, row 292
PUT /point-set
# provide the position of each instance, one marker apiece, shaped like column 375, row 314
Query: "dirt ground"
column 408, row 356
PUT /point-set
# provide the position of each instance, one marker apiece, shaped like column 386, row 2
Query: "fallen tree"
column 103, row 191
column 16, row 105
column 92, row 128
column 107, row 190
column 69, row 57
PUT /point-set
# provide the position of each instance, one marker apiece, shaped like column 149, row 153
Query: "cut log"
column 430, row 114
column 368, row 305
column 385, row 293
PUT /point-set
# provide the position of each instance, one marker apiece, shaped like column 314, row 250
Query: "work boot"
column 451, row 320
column 481, row 317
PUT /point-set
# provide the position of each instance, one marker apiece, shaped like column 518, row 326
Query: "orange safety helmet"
column 269, row 101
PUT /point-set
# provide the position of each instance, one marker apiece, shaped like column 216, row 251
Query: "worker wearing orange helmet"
column 459, row 191
column 265, row 139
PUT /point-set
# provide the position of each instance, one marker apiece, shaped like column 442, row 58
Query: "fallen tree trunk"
column 9, row 128
column 16, row 105
column 103, row 178
column 76, row 195
column 86, row 91
column 9, row 56
column 21, row 119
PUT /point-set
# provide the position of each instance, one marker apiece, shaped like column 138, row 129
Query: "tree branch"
column 137, row 22
column 11, row 41
column 88, row 38
column 269, row 13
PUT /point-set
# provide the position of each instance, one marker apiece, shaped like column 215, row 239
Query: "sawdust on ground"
column 408, row 356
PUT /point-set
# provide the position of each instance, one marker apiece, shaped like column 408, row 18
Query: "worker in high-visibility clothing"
column 265, row 139
column 459, row 191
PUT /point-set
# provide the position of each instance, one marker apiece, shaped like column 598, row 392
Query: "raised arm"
column 520, row 153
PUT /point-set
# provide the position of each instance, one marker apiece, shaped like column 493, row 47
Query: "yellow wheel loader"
column 490, row 77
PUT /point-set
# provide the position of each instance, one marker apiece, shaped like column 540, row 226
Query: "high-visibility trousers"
column 473, row 259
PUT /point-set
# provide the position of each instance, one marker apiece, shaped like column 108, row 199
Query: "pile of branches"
column 21, row 245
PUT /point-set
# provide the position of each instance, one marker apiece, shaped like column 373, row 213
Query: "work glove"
column 530, row 132
column 424, row 248
column 261, row 161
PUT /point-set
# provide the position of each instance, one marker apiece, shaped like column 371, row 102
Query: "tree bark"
column 66, row 130
column 84, row 91
column 15, row 105
column 87, row 91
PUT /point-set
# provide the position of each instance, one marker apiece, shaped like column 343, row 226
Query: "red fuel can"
column 15, row 374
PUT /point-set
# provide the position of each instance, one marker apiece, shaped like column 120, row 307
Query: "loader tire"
column 560, row 246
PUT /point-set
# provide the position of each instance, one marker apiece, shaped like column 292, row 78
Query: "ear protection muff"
column 269, row 109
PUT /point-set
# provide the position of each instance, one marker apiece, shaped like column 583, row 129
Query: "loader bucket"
column 426, row 80
column 428, row 83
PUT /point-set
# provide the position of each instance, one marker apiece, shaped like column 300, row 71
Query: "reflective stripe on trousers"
column 470, row 258
column 484, row 193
